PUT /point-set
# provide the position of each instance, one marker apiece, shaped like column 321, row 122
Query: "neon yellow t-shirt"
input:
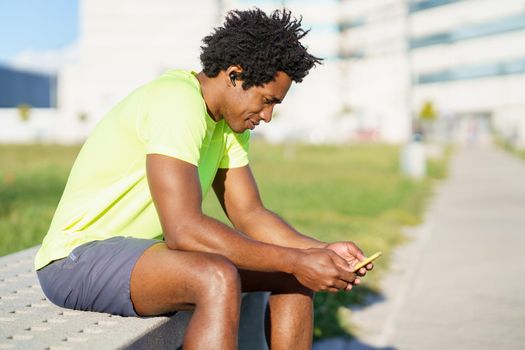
column 107, row 193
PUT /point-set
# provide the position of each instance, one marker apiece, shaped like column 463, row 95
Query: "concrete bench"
column 29, row 321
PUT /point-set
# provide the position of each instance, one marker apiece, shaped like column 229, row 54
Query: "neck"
column 210, row 93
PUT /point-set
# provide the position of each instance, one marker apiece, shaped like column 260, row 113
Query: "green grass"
column 500, row 141
column 32, row 179
column 332, row 193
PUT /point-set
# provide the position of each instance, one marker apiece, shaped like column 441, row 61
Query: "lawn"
column 352, row 192
column 509, row 147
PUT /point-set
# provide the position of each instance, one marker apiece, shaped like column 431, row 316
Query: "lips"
column 252, row 124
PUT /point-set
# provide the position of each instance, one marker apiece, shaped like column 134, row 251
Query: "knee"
column 221, row 277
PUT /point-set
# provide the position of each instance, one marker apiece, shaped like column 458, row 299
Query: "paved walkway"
column 461, row 283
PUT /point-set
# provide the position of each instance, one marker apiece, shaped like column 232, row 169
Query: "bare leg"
column 166, row 280
column 291, row 308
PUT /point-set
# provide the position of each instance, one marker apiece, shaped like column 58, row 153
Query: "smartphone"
column 367, row 261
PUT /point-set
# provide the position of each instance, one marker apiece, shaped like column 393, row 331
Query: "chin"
column 238, row 125
column 238, row 129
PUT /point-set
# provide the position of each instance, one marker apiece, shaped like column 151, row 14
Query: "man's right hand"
column 323, row 270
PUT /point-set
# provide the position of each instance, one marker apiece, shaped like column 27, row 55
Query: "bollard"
column 413, row 162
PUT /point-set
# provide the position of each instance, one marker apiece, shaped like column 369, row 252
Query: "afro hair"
column 260, row 44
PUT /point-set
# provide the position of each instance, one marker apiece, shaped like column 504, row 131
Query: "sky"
column 36, row 26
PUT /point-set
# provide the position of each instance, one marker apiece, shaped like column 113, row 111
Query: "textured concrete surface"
column 29, row 321
column 460, row 283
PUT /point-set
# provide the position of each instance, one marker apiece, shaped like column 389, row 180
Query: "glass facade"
column 36, row 90
column 473, row 72
column 428, row 4
column 473, row 31
column 353, row 23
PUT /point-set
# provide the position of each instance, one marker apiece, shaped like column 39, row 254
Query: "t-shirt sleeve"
column 236, row 151
column 175, row 120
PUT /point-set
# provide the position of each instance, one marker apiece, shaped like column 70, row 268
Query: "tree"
column 24, row 112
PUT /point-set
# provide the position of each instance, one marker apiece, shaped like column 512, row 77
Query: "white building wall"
column 39, row 127
column 378, row 83
column 498, row 97
column 474, row 51
column 442, row 18
column 125, row 44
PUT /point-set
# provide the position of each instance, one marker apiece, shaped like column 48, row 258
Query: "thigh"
column 166, row 280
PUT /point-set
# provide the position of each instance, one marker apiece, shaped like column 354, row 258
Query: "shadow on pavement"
column 335, row 336
column 327, row 322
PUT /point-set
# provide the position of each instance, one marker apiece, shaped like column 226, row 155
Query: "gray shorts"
column 95, row 276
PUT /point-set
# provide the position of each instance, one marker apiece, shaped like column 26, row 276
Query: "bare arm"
column 266, row 226
column 237, row 192
column 175, row 189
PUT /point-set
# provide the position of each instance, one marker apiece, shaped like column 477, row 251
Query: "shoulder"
column 175, row 84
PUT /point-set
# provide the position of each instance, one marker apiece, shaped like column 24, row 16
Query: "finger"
column 357, row 281
column 345, row 271
column 336, row 258
column 369, row 266
column 347, row 276
column 361, row 272
column 340, row 284
column 348, row 287
column 356, row 251
column 339, row 261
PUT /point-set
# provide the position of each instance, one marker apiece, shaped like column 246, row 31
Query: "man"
column 129, row 236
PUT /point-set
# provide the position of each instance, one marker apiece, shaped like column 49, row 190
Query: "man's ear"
column 232, row 75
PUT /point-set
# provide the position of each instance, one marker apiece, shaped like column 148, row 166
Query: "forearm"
column 266, row 226
column 205, row 234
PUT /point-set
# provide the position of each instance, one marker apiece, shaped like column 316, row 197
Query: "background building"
column 468, row 60
column 125, row 44
column 375, row 60
column 458, row 64
column 21, row 93
column 116, row 55
column 18, row 88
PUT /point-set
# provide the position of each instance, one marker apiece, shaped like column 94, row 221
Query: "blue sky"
column 37, row 25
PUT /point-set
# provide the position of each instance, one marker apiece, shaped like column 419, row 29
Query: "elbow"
column 240, row 222
column 172, row 241
column 242, row 226
column 183, row 236
column 178, row 240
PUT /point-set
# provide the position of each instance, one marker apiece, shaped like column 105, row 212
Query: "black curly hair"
column 260, row 44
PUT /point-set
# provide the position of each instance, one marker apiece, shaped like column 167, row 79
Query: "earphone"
column 233, row 76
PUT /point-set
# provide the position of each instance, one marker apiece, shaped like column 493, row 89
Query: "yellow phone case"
column 367, row 261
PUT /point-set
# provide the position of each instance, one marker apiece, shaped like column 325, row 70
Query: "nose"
column 266, row 113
